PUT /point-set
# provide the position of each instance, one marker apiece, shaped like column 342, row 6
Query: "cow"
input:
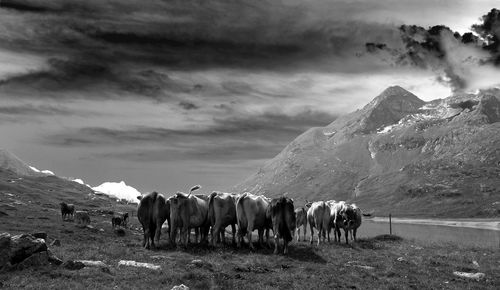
column 221, row 213
column 353, row 226
column 318, row 216
column 67, row 210
column 119, row 219
column 82, row 217
column 251, row 215
column 300, row 221
column 344, row 217
column 189, row 211
column 281, row 213
column 152, row 211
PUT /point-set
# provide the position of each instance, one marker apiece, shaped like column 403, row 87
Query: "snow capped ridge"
column 47, row 172
column 119, row 190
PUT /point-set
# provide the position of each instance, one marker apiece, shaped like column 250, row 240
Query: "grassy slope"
column 327, row 266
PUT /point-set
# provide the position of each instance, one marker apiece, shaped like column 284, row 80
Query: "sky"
column 167, row 94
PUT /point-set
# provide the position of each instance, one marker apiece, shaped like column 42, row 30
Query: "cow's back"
column 198, row 210
column 145, row 208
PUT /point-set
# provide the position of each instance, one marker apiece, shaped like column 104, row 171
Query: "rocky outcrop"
column 23, row 251
column 397, row 153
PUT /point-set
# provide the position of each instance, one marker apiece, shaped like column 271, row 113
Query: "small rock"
column 89, row 263
column 180, row 287
column 138, row 264
column 475, row 276
column 401, row 259
column 476, row 264
column 73, row 265
column 40, row 235
column 101, row 230
column 56, row 243
column 198, row 263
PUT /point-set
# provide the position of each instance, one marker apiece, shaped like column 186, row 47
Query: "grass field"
column 381, row 262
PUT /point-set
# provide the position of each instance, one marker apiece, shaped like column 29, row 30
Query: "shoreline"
column 485, row 224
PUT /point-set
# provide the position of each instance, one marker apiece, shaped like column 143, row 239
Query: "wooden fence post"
column 390, row 224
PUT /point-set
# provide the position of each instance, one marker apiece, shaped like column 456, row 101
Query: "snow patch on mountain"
column 119, row 190
column 48, row 172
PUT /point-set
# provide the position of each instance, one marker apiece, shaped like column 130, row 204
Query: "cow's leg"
column 276, row 242
column 249, row 237
column 346, row 232
column 298, row 233
column 145, row 243
column 222, row 235
column 157, row 234
column 312, row 232
column 285, row 247
column 185, row 235
column 233, row 229
column 354, row 233
column 267, row 238
column 320, row 231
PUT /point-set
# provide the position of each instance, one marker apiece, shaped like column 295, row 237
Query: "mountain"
column 11, row 162
column 398, row 154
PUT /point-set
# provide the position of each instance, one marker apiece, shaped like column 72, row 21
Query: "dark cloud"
column 31, row 110
column 238, row 137
column 188, row 105
column 427, row 48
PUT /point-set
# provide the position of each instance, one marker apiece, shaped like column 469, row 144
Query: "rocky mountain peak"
column 388, row 108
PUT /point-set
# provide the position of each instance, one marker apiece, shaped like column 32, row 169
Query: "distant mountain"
column 11, row 162
column 398, row 154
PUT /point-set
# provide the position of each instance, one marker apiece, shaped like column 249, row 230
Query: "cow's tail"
column 211, row 210
column 240, row 213
column 196, row 187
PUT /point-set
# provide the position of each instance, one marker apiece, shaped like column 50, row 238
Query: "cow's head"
column 308, row 203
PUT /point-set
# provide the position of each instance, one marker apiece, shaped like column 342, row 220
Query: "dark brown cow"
column 282, row 215
column 119, row 219
column 152, row 212
column 67, row 210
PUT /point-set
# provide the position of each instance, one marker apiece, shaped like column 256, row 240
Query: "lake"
column 466, row 236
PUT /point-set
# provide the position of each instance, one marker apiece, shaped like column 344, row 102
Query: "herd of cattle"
column 219, row 210
column 82, row 217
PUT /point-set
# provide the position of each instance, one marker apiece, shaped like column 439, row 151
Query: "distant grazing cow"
column 251, row 215
column 344, row 217
column 67, row 210
column 221, row 213
column 152, row 212
column 119, row 219
column 189, row 211
column 282, row 215
column 82, row 217
column 353, row 227
column 318, row 216
column 301, row 221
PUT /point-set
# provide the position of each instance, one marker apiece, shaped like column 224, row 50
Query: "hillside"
column 397, row 154
column 11, row 162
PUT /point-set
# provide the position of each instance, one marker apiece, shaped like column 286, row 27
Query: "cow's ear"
column 139, row 197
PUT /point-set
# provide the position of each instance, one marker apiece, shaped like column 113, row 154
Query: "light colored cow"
column 301, row 221
column 251, row 215
column 82, row 217
column 318, row 216
column 189, row 211
column 282, row 215
column 221, row 213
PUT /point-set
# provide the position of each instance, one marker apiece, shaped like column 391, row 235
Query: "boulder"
column 180, row 287
column 4, row 249
column 35, row 260
column 53, row 259
column 25, row 245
